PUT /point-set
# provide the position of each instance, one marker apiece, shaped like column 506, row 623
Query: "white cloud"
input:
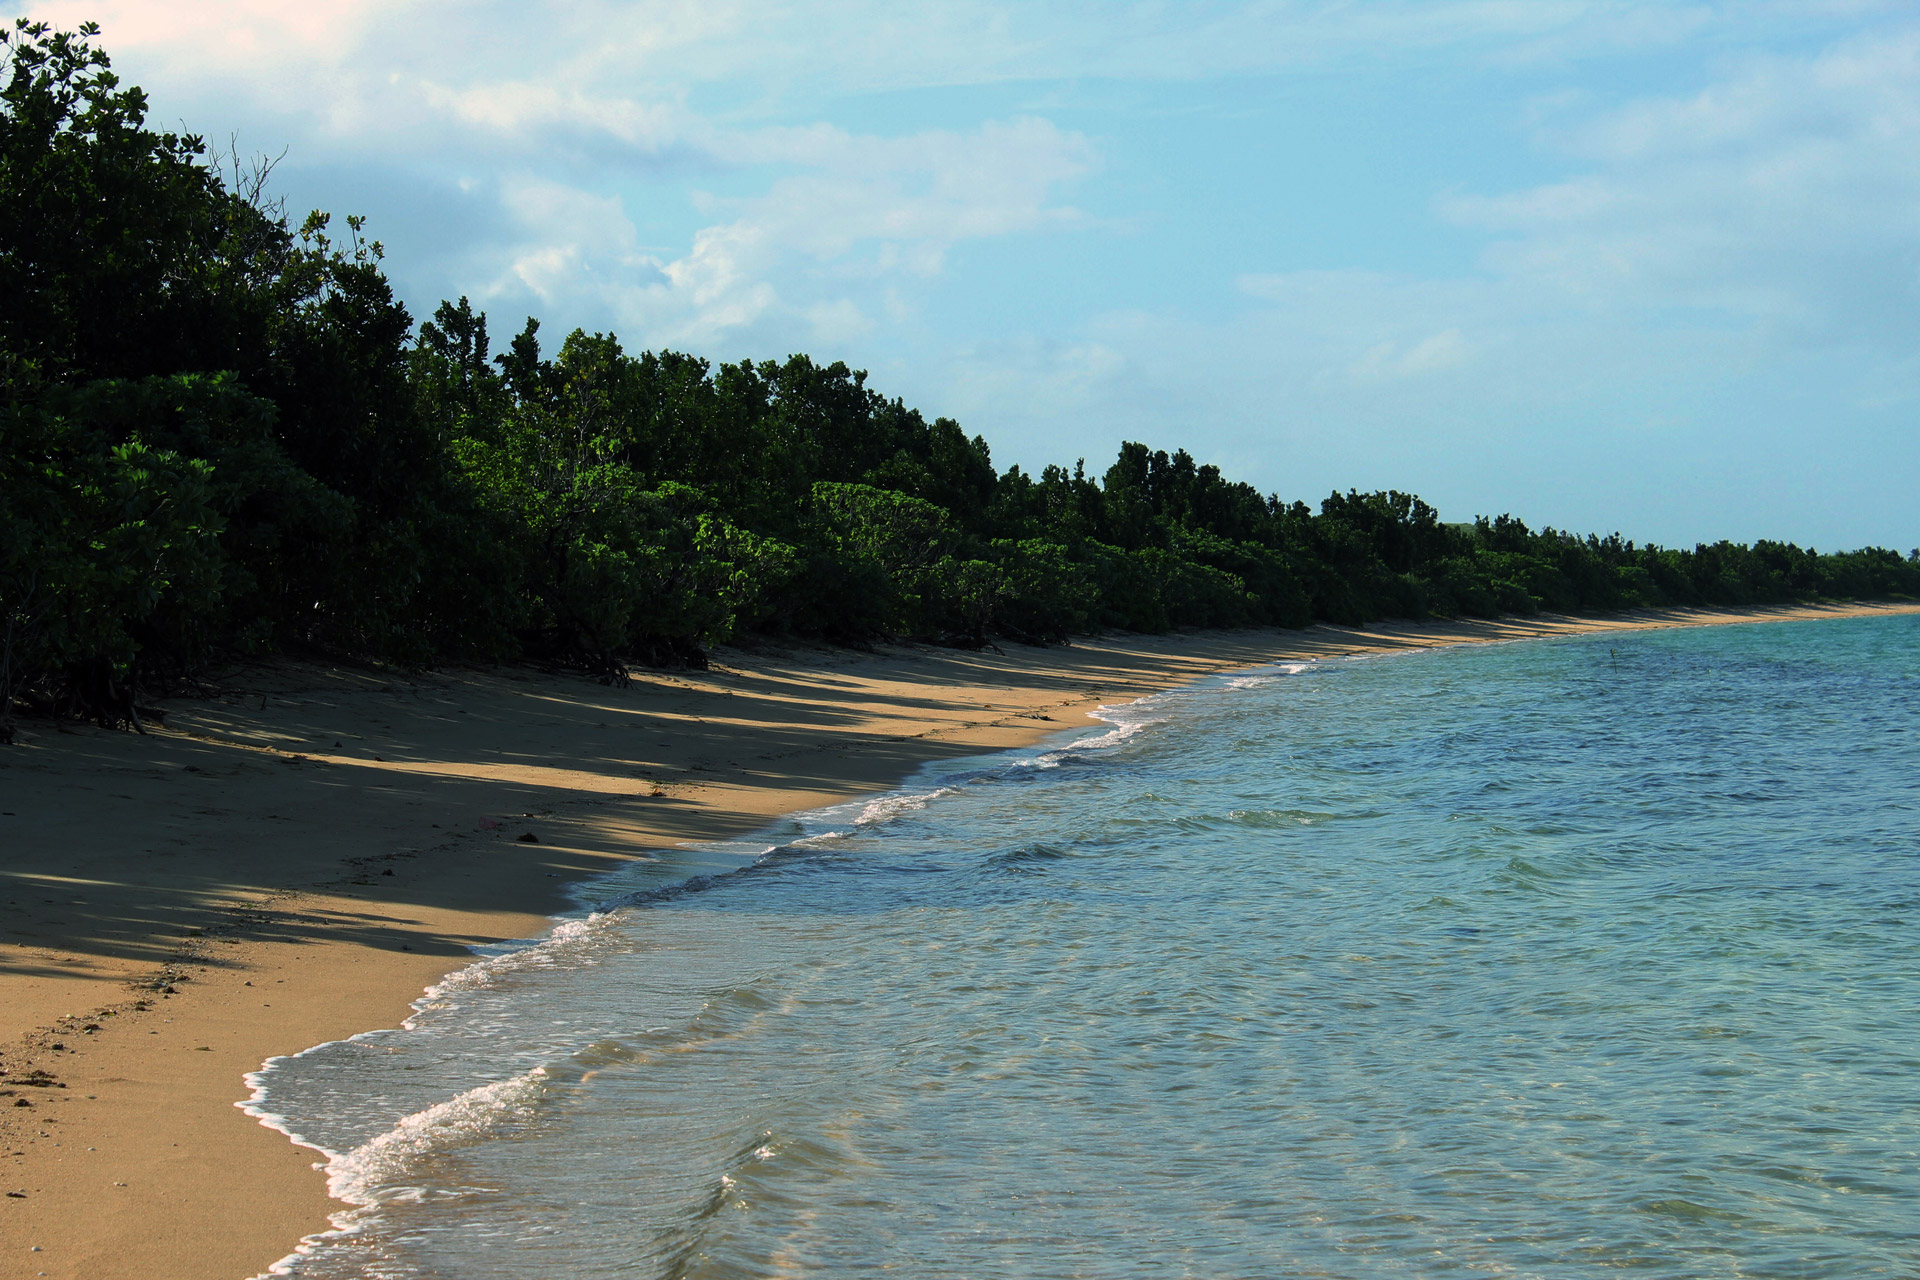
column 248, row 37
column 385, row 75
column 569, row 113
column 595, row 97
column 525, row 110
column 838, row 323
column 1432, row 354
column 1786, row 196
column 1711, row 327
column 818, row 252
column 579, row 236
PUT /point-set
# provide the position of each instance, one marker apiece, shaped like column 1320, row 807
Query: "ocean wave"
column 1271, row 675
column 511, row 957
column 368, row 1173
column 1326, row 914
column 360, row 1176
column 1128, row 721
column 889, row 807
column 1028, row 856
column 1272, row 818
column 440, row 996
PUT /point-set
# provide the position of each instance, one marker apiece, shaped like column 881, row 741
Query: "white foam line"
column 352, row 1175
column 342, row 1182
column 355, row 1176
column 1121, row 731
column 1266, row 676
column 889, row 807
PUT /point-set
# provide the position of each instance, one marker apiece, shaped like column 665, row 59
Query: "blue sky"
column 1652, row 267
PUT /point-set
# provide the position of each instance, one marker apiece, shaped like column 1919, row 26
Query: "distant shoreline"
column 295, row 859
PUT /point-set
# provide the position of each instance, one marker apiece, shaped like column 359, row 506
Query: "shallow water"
column 1543, row 959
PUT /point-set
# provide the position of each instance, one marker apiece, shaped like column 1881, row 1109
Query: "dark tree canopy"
column 220, row 434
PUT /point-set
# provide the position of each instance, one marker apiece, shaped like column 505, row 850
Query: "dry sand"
column 297, row 854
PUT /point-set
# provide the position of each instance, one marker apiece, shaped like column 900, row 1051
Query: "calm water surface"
column 1551, row 959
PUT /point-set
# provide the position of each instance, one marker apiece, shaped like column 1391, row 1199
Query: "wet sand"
column 298, row 853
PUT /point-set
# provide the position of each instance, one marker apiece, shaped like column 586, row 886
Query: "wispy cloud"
column 819, row 250
column 1783, row 196
column 598, row 98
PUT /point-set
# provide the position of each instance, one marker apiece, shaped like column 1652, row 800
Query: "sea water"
column 1558, row 958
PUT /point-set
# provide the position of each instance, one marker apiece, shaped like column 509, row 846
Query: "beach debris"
column 527, row 837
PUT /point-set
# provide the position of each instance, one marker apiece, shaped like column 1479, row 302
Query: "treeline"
column 224, row 435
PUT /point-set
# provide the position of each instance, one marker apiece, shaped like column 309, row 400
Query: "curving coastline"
column 294, row 860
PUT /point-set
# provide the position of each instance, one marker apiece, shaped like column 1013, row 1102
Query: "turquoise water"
column 1548, row 959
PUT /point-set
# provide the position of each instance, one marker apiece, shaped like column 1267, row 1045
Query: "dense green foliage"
column 223, row 434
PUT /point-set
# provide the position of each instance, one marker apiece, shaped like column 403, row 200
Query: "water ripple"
column 1545, row 960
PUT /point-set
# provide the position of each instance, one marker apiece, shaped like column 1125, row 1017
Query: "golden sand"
column 293, row 858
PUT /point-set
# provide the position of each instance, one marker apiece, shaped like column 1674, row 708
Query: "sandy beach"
column 297, row 853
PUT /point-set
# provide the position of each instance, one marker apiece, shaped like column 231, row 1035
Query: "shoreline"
column 332, row 841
